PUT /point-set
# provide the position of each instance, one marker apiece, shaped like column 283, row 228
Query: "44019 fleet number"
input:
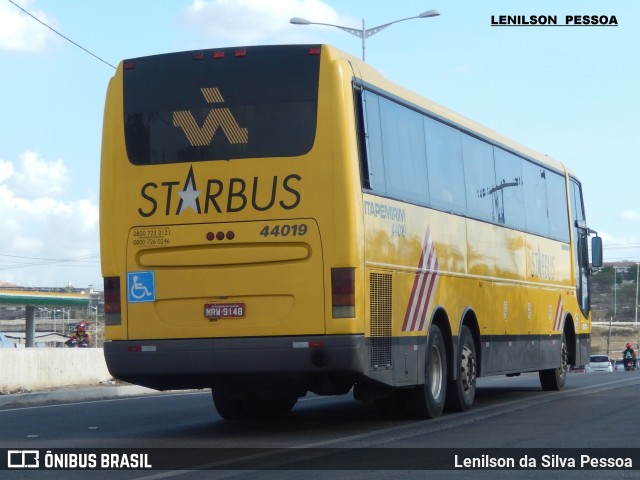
column 295, row 230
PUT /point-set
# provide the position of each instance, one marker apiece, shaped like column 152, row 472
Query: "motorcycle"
column 629, row 364
column 75, row 343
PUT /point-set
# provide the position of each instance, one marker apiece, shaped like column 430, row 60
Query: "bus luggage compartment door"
column 241, row 279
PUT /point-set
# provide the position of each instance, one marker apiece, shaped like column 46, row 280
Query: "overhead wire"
column 620, row 246
column 39, row 261
column 60, row 34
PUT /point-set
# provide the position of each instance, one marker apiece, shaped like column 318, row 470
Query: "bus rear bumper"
column 302, row 362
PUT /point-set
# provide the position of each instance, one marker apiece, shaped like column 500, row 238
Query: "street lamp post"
column 364, row 33
column 615, row 292
column 95, row 309
column 637, row 278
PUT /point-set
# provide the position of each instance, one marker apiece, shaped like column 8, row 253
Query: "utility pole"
column 637, row 277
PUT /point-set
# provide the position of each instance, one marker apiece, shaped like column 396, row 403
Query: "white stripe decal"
column 558, row 320
column 424, row 286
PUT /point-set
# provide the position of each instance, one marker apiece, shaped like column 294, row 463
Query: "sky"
column 568, row 92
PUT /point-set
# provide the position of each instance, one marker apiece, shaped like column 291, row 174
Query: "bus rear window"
column 221, row 104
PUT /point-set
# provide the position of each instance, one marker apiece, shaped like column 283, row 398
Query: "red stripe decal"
column 558, row 320
column 424, row 285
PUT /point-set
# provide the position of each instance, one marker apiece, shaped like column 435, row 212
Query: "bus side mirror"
column 596, row 252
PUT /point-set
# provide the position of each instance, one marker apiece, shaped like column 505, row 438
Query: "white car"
column 600, row 363
column 618, row 365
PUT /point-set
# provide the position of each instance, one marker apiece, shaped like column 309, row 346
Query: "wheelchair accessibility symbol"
column 141, row 287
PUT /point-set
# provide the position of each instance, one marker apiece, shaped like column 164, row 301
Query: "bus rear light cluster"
column 216, row 55
column 112, row 302
column 343, row 281
column 220, row 236
column 141, row 348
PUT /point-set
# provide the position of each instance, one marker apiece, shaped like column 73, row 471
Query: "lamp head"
column 429, row 13
column 299, row 21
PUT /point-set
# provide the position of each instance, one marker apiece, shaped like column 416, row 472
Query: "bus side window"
column 372, row 159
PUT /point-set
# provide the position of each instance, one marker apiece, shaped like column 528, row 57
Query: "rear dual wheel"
column 462, row 391
column 555, row 378
column 427, row 400
column 228, row 407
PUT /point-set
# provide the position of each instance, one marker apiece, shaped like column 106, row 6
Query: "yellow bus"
column 277, row 220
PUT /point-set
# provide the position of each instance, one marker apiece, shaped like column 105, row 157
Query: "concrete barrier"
column 44, row 368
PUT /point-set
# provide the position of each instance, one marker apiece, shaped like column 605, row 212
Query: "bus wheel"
column 228, row 407
column 555, row 378
column 427, row 401
column 462, row 391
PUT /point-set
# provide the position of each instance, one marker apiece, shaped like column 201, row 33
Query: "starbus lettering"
column 230, row 196
column 543, row 265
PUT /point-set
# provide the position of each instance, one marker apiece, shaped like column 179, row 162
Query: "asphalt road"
column 513, row 415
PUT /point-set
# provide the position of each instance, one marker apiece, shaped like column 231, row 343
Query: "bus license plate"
column 224, row 310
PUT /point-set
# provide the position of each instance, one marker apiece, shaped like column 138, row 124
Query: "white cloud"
column 19, row 32
column 6, row 170
column 37, row 178
column 253, row 21
column 618, row 248
column 40, row 222
column 630, row 216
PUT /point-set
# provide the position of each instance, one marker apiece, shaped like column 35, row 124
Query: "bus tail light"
column 112, row 304
column 343, row 282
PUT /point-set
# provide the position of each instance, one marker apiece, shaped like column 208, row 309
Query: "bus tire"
column 554, row 379
column 427, row 400
column 462, row 391
column 228, row 407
